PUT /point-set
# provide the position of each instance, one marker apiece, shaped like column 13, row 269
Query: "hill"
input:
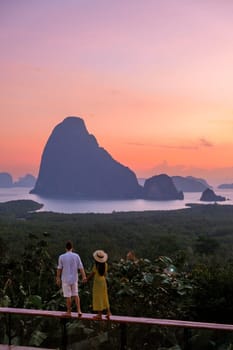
column 74, row 165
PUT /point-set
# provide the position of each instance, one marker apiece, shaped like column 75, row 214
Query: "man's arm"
column 58, row 277
column 84, row 277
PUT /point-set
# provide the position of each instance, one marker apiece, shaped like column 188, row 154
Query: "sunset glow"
column 152, row 80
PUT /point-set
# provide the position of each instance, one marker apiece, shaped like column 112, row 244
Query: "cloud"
column 136, row 144
column 205, row 143
column 115, row 92
column 141, row 144
column 36, row 69
column 179, row 147
column 202, row 142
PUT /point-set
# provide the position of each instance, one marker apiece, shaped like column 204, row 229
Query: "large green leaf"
column 37, row 338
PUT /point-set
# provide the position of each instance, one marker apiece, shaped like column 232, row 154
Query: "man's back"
column 69, row 262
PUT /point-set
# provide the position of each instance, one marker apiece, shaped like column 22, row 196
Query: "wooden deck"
column 121, row 320
column 118, row 319
column 14, row 347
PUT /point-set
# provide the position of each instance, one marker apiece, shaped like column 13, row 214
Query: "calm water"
column 106, row 206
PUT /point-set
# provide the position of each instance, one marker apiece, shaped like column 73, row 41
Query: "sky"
column 152, row 80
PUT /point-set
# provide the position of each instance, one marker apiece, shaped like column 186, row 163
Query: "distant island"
column 6, row 181
column 226, row 186
column 209, row 196
column 190, row 184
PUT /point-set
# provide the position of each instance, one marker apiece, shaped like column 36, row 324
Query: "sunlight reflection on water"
column 106, row 206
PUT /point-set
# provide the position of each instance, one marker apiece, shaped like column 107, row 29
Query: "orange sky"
column 153, row 81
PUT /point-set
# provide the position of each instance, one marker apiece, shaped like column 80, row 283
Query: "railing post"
column 64, row 333
column 187, row 343
column 8, row 325
column 123, row 328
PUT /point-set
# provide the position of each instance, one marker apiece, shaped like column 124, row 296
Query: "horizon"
column 140, row 179
column 152, row 81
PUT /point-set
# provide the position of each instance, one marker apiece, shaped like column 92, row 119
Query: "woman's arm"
column 90, row 276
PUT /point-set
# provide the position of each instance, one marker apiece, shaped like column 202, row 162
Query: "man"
column 69, row 264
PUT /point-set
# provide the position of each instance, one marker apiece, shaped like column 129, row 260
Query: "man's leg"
column 68, row 304
column 74, row 291
column 67, row 295
column 77, row 302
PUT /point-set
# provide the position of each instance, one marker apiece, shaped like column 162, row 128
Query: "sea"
column 69, row 206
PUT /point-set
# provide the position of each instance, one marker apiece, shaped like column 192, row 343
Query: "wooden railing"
column 122, row 320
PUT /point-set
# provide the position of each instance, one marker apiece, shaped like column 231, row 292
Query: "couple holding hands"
column 69, row 264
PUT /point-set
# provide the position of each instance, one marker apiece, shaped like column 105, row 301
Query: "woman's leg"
column 98, row 316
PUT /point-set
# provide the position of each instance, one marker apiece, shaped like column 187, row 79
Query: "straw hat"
column 100, row 256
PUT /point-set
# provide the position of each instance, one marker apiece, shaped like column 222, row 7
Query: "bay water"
column 107, row 206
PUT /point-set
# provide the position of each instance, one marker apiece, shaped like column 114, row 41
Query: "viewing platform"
column 123, row 321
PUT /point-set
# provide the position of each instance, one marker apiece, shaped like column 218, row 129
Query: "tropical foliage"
column 183, row 270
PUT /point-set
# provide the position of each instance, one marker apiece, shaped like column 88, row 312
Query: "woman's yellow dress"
column 100, row 292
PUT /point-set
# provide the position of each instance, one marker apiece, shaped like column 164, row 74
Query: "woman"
column 100, row 301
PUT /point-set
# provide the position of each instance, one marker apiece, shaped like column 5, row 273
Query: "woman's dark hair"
column 100, row 267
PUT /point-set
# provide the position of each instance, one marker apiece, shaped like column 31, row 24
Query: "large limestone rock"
column 74, row 165
column 209, row 196
column 161, row 187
